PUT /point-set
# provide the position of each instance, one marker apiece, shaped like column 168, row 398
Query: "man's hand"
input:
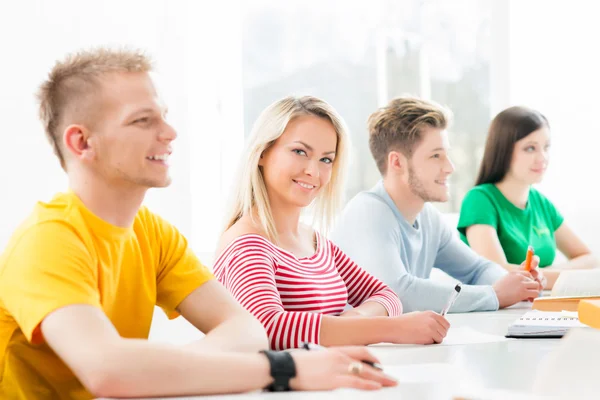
column 515, row 287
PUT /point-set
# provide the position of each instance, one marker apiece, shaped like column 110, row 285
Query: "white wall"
column 555, row 67
column 195, row 52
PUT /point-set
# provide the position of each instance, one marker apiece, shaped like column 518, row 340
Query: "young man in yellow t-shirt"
column 80, row 277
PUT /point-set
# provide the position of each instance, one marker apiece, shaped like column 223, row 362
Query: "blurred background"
column 219, row 63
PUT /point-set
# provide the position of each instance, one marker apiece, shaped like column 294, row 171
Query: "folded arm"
column 250, row 276
column 367, row 294
column 111, row 366
column 579, row 256
column 484, row 240
column 227, row 325
column 373, row 240
column 420, row 294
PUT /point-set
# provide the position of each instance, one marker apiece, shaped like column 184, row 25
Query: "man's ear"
column 77, row 142
column 396, row 162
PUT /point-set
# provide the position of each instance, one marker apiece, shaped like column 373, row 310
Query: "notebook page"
column 540, row 323
column 577, row 283
column 548, row 319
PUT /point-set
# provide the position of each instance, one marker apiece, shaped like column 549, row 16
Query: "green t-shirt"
column 517, row 228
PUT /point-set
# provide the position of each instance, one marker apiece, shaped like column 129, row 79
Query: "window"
column 359, row 55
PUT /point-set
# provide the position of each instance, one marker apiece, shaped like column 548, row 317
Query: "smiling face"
column 130, row 141
column 429, row 168
column 530, row 157
column 298, row 165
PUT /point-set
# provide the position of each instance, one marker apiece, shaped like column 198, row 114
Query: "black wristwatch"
column 283, row 368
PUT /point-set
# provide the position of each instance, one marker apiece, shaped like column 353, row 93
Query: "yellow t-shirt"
column 64, row 254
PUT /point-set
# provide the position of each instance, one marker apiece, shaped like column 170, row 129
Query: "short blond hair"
column 250, row 193
column 72, row 85
column 398, row 126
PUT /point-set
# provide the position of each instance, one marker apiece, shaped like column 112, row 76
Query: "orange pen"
column 528, row 258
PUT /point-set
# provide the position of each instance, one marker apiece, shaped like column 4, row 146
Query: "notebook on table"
column 543, row 324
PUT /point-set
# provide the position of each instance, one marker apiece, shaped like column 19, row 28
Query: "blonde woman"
column 291, row 277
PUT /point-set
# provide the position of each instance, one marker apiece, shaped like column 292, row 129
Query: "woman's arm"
column 250, row 276
column 483, row 239
column 367, row 294
column 578, row 254
column 366, row 309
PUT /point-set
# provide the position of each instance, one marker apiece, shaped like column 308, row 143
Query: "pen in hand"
column 452, row 299
column 528, row 258
column 312, row 346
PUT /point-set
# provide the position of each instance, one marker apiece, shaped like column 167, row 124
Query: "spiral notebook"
column 543, row 324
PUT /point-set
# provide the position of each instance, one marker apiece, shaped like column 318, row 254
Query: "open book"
column 583, row 282
column 543, row 324
column 570, row 287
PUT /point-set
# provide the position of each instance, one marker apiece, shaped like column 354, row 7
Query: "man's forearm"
column 242, row 333
column 419, row 294
column 138, row 368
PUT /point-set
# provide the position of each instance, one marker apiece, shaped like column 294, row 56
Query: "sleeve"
column 249, row 274
column 477, row 209
column 48, row 268
column 179, row 271
column 459, row 261
column 364, row 287
column 373, row 240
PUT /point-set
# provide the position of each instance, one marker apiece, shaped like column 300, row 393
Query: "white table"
column 502, row 365
column 508, row 365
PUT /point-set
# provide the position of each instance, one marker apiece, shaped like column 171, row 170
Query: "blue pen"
column 312, row 346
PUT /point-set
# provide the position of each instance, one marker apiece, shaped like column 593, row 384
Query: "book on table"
column 570, row 288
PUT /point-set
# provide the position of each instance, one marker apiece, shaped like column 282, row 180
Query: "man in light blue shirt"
column 393, row 233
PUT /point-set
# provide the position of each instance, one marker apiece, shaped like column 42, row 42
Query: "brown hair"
column 398, row 126
column 507, row 128
column 67, row 95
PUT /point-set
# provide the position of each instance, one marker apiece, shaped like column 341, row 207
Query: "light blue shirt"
column 375, row 235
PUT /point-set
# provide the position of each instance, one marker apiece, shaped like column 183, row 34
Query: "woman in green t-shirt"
column 503, row 214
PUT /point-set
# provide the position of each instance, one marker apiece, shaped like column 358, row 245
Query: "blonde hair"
column 397, row 126
column 68, row 94
column 250, row 194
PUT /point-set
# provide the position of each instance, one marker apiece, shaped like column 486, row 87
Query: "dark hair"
column 510, row 126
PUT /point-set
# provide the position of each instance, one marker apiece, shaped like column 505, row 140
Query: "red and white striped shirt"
column 289, row 295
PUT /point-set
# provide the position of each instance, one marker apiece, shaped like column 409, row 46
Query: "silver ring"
column 355, row 368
